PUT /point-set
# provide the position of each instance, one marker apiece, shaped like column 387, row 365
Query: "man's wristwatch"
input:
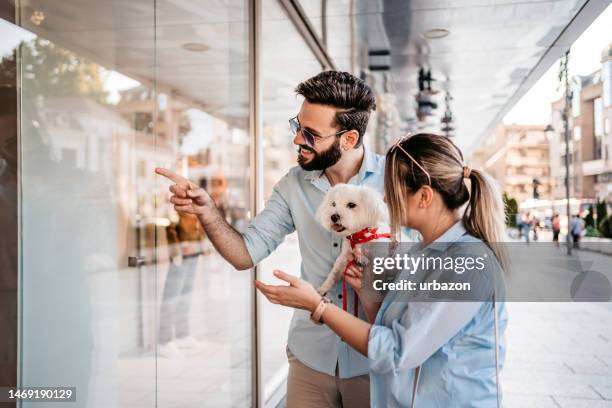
column 318, row 312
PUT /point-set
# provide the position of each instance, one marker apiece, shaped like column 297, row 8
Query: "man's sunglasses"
column 309, row 137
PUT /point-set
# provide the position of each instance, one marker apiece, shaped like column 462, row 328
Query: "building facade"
column 590, row 145
column 517, row 156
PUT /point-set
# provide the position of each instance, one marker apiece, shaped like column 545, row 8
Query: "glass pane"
column 202, row 128
column 10, row 36
column 124, row 299
column 87, row 135
column 339, row 21
column 312, row 9
column 282, row 72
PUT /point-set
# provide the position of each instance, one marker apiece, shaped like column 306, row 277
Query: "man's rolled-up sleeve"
column 269, row 228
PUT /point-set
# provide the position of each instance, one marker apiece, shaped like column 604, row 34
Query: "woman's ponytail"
column 484, row 216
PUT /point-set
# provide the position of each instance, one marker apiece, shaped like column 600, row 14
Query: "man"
column 329, row 130
column 186, row 240
column 576, row 228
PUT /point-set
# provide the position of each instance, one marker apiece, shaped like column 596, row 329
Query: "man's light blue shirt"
column 452, row 342
column 291, row 207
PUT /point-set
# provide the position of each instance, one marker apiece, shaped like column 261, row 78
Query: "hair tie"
column 466, row 172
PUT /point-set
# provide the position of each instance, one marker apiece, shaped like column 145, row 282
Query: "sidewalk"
column 559, row 354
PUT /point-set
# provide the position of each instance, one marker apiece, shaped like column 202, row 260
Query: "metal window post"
column 256, row 182
column 566, row 113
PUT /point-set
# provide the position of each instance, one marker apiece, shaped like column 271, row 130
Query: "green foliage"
column 605, row 227
column 49, row 71
column 511, row 209
column 592, row 232
column 589, row 220
column 601, row 211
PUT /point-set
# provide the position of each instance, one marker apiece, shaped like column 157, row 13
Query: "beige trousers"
column 308, row 388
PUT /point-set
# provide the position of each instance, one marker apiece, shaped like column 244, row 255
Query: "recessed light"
column 37, row 17
column 195, row 47
column 436, row 33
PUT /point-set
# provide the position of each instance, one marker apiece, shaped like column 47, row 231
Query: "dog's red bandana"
column 360, row 237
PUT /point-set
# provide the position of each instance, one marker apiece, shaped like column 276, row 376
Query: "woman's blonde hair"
column 428, row 159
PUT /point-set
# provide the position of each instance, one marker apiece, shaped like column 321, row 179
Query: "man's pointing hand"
column 186, row 196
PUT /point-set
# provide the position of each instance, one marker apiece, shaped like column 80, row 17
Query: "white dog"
column 357, row 213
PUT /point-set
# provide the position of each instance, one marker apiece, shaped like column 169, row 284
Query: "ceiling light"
column 436, row 33
column 37, row 17
column 195, row 47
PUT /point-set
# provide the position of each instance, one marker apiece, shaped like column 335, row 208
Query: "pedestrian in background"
column 535, row 222
column 556, row 228
column 519, row 224
column 526, row 225
column 186, row 239
column 576, row 228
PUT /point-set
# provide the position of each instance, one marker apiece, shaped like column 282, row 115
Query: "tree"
column 511, row 209
column 605, row 227
column 601, row 211
column 8, row 70
column 49, row 70
column 589, row 220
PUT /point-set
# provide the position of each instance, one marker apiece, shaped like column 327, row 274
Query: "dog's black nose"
column 335, row 217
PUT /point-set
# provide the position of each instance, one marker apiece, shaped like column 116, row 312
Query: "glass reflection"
column 87, row 315
column 9, row 242
column 314, row 10
column 123, row 298
column 204, row 322
column 282, row 72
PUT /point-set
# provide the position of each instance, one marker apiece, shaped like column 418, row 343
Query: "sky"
column 11, row 36
column 585, row 58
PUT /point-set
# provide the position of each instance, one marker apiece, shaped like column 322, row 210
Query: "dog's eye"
column 351, row 205
column 333, row 203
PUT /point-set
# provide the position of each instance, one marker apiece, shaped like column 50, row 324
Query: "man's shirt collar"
column 368, row 166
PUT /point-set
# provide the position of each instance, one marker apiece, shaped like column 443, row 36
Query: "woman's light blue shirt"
column 452, row 342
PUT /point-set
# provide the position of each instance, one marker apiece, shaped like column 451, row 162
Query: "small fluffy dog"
column 353, row 212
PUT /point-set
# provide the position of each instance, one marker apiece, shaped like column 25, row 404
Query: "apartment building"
column 517, row 156
column 590, row 136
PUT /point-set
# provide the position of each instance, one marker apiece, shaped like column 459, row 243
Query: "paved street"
column 559, row 355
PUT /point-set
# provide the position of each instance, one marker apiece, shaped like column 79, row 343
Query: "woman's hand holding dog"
column 299, row 294
column 354, row 273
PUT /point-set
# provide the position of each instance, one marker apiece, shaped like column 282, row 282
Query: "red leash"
column 360, row 237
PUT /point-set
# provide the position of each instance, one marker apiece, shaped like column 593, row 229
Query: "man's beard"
column 323, row 160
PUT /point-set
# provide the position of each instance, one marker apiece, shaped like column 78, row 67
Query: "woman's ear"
column 426, row 196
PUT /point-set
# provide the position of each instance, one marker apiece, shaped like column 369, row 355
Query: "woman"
column 556, row 228
column 425, row 354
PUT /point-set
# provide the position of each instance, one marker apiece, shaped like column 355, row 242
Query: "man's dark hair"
column 343, row 91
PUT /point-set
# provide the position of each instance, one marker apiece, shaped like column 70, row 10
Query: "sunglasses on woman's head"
column 309, row 137
column 398, row 146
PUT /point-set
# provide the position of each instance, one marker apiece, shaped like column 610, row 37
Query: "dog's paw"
column 322, row 291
